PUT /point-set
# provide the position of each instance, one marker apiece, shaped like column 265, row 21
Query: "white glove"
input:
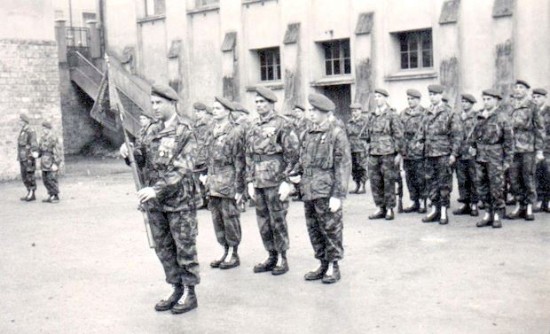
column 123, row 151
column 54, row 168
column 472, row 151
column 334, row 204
column 295, row 179
column 540, row 156
column 452, row 160
column 203, row 178
column 34, row 155
column 397, row 160
column 238, row 197
column 146, row 194
column 284, row 191
column 251, row 191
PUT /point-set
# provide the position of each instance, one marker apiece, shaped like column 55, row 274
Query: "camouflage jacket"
column 202, row 131
column 492, row 137
column 469, row 121
column 226, row 161
column 545, row 114
column 355, row 129
column 49, row 152
column 441, row 132
column 26, row 144
column 167, row 156
column 411, row 119
column 271, row 151
column 528, row 126
column 302, row 126
column 325, row 162
column 384, row 133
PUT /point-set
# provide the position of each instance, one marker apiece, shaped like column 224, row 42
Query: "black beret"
column 25, row 118
column 321, row 102
column 469, row 97
column 225, row 102
column 493, row 93
column 438, row 89
column 299, row 106
column 47, row 124
column 240, row 107
column 540, row 91
column 199, row 106
column 266, row 93
column 165, row 92
column 382, row 91
column 523, row 82
column 414, row 93
column 356, row 105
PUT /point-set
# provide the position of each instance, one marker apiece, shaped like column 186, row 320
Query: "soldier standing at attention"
column 240, row 116
column 226, row 168
column 384, row 136
column 167, row 154
column 50, row 160
column 27, row 152
column 323, row 173
column 413, row 152
column 202, row 129
column 543, row 167
column 442, row 135
column 466, row 167
column 529, row 134
column 492, row 145
column 355, row 128
column 271, row 154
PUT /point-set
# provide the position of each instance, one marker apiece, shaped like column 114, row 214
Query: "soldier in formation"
column 202, row 128
column 543, row 167
column 355, row 128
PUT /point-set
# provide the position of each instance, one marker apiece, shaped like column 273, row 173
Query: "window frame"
column 269, row 61
column 414, row 46
column 338, row 52
column 152, row 8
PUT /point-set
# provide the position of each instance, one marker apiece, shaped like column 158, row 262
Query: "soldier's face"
column 356, row 112
column 263, row 106
column 466, row 105
column 298, row 113
column 520, row 91
column 162, row 108
column 539, row 99
column 318, row 116
column 413, row 101
column 489, row 102
column 144, row 120
column 219, row 112
column 435, row 98
column 380, row 99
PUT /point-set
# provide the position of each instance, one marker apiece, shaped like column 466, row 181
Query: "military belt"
column 266, row 157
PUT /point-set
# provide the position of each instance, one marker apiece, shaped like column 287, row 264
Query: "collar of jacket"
column 323, row 127
column 414, row 111
column 267, row 118
column 467, row 115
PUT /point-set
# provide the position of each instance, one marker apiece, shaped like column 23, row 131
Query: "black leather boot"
column 55, row 199
column 423, row 206
column 529, row 212
column 47, row 200
column 379, row 214
column 412, row 208
column 432, row 216
column 389, row 214
column 189, row 302
column 233, row 262
column 334, row 276
column 444, row 217
column 356, row 190
column 268, row 264
column 362, row 190
column 487, row 219
column 519, row 212
column 24, row 198
column 30, row 197
column 168, row 303
column 465, row 209
column 318, row 273
column 282, row 267
column 216, row 263
column 474, row 212
column 497, row 223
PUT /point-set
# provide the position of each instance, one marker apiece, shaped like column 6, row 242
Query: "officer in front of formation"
column 355, row 128
column 413, row 152
column 201, row 128
column 167, row 155
column 226, row 171
column 441, row 134
column 384, row 136
column 322, row 174
column 271, row 154
column 465, row 165
column 543, row 167
column 528, row 126
column 27, row 152
column 492, row 144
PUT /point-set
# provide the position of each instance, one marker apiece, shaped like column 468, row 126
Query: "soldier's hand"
column 397, row 160
column 55, row 168
column 124, row 150
column 251, row 191
column 540, row 156
column 452, row 160
column 295, row 179
column 238, row 198
column 506, row 166
column 203, row 178
column 472, row 151
column 146, row 194
column 34, row 155
column 334, row 204
column 284, row 191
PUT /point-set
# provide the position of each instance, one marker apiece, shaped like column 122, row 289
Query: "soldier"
column 466, row 167
column 323, row 173
column 354, row 128
column 240, row 116
column 543, row 168
column 27, row 152
column 50, row 160
column 384, row 136
column 413, row 152
column 226, row 168
column 168, row 155
column 441, row 134
column 202, row 129
column 528, row 126
column 492, row 144
column 508, row 196
column 271, row 154
column 301, row 126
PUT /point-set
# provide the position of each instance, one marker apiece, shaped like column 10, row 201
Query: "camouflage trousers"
column 358, row 164
column 543, row 179
column 416, row 178
column 325, row 229
column 522, row 174
column 226, row 219
column 27, row 174
column 271, row 217
column 382, row 175
column 439, row 180
column 466, row 176
column 175, row 236
column 50, row 182
column 490, row 184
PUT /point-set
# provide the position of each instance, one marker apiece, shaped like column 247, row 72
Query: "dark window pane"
column 414, row 60
column 347, row 66
column 345, row 48
column 404, row 45
column 337, row 67
column 404, row 60
column 328, row 67
column 270, row 73
column 278, row 73
column 426, row 59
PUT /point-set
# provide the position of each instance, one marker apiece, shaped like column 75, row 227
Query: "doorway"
column 341, row 96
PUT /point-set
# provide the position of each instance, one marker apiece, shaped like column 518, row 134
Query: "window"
column 270, row 64
column 155, row 7
column 416, row 49
column 206, row 3
column 88, row 17
column 337, row 57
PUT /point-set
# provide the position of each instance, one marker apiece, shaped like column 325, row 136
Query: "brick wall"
column 29, row 82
